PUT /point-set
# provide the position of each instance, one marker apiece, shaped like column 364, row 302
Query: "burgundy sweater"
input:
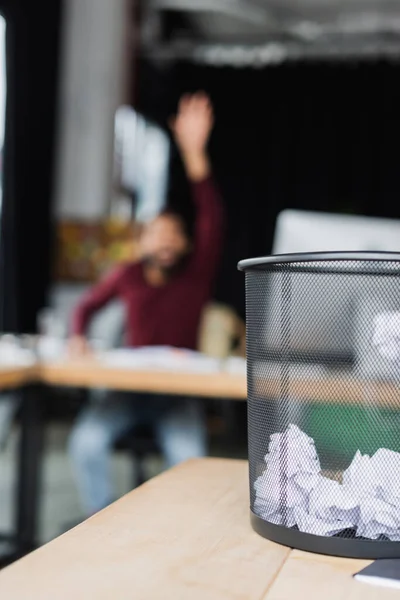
column 167, row 315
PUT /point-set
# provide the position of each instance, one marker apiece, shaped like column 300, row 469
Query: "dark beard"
column 168, row 272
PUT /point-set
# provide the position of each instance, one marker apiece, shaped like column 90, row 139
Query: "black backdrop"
column 312, row 136
column 25, row 239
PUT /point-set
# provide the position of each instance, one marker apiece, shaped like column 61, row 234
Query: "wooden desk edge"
column 15, row 377
column 212, row 385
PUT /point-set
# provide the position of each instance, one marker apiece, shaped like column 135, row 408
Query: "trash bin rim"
column 257, row 264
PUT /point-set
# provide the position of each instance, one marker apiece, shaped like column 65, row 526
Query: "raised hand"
column 192, row 127
column 193, row 123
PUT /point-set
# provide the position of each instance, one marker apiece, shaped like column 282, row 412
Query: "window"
column 141, row 161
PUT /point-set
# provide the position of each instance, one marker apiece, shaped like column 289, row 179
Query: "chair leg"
column 139, row 474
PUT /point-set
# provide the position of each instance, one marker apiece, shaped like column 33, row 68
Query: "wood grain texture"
column 313, row 577
column 183, row 535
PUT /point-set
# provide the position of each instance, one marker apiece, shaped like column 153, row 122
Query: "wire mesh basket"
column 323, row 354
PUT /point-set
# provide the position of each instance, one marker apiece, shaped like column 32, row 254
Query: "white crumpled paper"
column 293, row 492
column 312, row 524
column 332, row 502
column 292, row 467
column 375, row 481
column 386, row 337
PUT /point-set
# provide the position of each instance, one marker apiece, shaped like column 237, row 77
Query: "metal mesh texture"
column 323, row 353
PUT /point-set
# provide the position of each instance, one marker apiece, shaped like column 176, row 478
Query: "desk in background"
column 90, row 373
column 30, row 442
column 15, row 377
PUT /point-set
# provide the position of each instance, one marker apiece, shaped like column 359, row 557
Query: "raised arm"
column 192, row 128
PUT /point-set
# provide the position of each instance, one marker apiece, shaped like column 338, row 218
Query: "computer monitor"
column 307, row 231
column 324, row 335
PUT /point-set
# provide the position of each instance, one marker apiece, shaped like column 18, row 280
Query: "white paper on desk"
column 51, row 348
column 161, row 358
column 11, row 356
column 235, row 365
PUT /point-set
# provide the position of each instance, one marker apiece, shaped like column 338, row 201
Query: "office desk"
column 30, row 443
column 15, row 377
column 337, row 387
column 185, row 534
column 87, row 373
column 91, row 373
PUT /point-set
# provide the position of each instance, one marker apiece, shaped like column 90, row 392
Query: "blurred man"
column 164, row 295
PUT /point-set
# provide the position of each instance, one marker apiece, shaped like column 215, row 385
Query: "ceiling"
column 257, row 32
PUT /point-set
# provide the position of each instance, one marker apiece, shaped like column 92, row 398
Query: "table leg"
column 27, row 482
column 27, row 492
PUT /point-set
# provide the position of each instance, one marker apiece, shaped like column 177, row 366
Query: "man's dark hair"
column 170, row 212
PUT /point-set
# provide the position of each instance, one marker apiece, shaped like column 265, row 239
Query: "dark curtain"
column 32, row 46
column 308, row 136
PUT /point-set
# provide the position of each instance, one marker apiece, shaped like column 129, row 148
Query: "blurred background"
column 306, row 103
column 306, row 97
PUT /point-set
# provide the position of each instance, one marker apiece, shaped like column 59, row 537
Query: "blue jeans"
column 178, row 425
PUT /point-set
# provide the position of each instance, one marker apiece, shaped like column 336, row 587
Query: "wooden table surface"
column 13, row 377
column 90, row 373
column 184, row 535
column 340, row 388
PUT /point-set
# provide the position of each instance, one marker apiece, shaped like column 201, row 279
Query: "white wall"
column 94, row 65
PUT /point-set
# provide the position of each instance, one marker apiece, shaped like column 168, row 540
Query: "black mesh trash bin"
column 323, row 354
